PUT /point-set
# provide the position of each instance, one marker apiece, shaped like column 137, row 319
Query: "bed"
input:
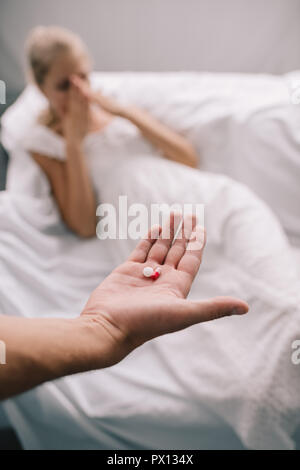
column 243, row 126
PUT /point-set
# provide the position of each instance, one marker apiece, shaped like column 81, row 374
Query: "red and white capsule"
column 156, row 274
column 152, row 273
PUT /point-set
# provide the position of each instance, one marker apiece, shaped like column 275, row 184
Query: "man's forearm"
column 38, row 350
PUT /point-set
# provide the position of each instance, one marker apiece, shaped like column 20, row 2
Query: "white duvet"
column 225, row 384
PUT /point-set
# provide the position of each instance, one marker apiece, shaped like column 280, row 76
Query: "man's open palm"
column 135, row 309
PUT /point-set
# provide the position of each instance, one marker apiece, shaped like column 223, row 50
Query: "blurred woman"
column 60, row 66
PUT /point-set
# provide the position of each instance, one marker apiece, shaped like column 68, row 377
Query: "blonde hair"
column 44, row 44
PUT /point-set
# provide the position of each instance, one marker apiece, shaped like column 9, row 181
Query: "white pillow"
column 186, row 100
column 18, row 118
column 267, row 158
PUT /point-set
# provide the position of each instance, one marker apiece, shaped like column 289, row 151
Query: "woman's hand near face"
column 77, row 119
column 70, row 180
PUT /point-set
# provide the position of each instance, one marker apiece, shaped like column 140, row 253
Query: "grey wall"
column 214, row 35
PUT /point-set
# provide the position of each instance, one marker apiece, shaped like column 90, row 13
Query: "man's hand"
column 133, row 309
column 126, row 310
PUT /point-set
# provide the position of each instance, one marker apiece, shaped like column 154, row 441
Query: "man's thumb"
column 218, row 307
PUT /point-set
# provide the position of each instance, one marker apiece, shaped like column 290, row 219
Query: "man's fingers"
column 160, row 249
column 191, row 259
column 178, row 248
column 157, row 245
column 140, row 253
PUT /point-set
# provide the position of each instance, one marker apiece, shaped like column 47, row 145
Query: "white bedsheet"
column 234, row 376
column 231, row 380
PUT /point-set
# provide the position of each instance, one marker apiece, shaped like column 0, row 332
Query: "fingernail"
column 238, row 311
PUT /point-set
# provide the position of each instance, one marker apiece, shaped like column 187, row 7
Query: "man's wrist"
column 44, row 349
column 101, row 344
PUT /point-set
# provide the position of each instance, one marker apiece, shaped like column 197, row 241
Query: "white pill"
column 148, row 271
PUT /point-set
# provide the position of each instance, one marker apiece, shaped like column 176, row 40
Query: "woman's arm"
column 72, row 189
column 173, row 145
column 70, row 180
